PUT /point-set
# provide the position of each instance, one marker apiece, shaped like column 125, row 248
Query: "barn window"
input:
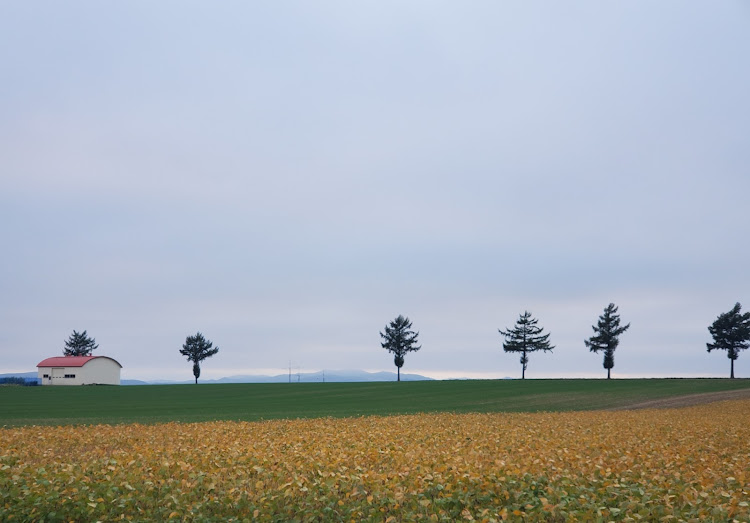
column 45, row 376
column 70, row 375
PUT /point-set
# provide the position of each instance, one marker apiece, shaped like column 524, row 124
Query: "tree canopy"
column 525, row 337
column 606, row 336
column 399, row 339
column 79, row 344
column 197, row 348
column 731, row 332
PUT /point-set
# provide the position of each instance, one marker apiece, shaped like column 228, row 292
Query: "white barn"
column 79, row 370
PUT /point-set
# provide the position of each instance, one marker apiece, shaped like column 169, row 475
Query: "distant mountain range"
column 26, row 375
column 330, row 376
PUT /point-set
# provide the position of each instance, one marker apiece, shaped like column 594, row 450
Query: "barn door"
column 58, row 373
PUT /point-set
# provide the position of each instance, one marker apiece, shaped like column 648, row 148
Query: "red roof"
column 70, row 361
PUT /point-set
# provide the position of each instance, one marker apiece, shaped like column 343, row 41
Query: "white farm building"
column 79, row 370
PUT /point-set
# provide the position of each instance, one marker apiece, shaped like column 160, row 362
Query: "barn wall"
column 58, row 375
column 102, row 371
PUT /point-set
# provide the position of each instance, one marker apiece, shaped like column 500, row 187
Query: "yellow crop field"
column 685, row 464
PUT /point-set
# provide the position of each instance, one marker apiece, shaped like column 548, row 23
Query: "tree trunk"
column 731, row 374
column 196, row 380
column 398, row 370
column 608, row 373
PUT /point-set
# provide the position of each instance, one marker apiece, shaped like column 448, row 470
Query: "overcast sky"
column 288, row 177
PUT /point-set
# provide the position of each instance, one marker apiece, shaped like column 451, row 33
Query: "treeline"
column 196, row 348
column 730, row 332
column 17, row 380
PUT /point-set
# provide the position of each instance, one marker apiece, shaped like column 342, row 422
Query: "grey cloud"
column 288, row 178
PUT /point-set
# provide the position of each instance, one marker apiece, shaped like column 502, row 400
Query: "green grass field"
column 188, row 403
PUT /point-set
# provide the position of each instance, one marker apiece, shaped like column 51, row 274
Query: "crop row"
column 681, row 464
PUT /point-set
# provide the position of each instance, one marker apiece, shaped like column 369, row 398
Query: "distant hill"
column 330, row 376
column 28, row 376
column 19, row 375
column 322, row 376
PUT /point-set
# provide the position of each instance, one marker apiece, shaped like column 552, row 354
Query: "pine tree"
column 197, row 348
column 731, row 332
column 525, row 337
column 399, row 340
column 607, row 336
column 79, row 344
